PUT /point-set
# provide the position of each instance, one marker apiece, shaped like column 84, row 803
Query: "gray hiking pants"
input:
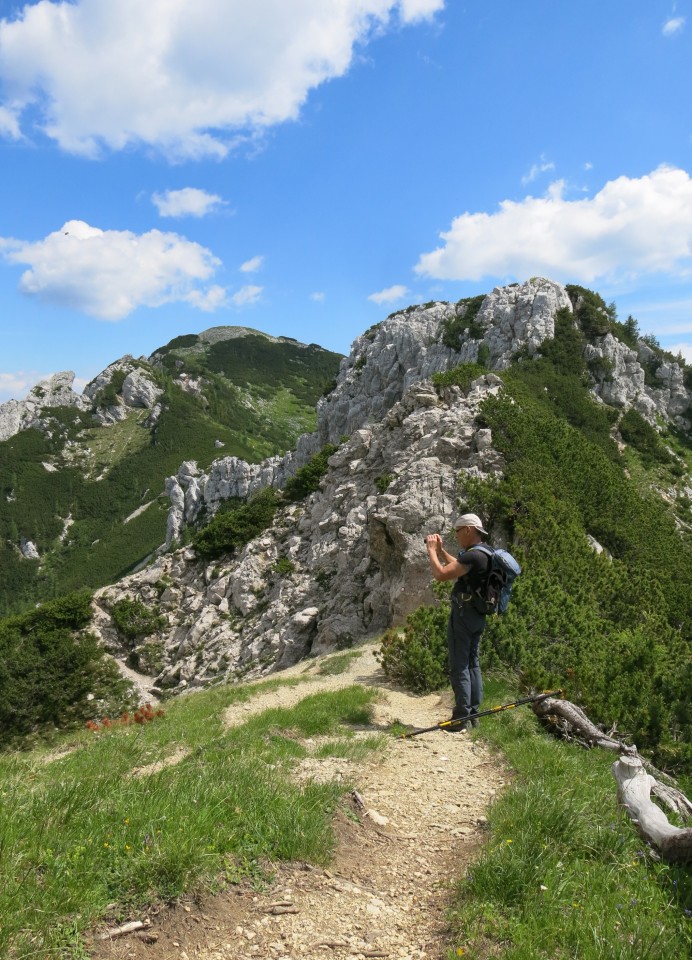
column 463, row 641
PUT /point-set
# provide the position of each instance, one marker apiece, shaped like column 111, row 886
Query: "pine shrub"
column 416, row 656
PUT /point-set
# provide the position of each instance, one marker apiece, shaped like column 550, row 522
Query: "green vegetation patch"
column 453, row 329
column 52, row 672
column 637, row 432
column 563, row 873
column 107, row 836
column 261, row 362
column 306, row 480
column 461, row 376
column 242, row 522
column 135, row 620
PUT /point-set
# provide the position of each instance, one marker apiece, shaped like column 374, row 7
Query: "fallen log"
column 634, row 793
column 572, row 720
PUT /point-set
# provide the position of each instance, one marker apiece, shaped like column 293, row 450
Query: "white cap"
column 470, row 520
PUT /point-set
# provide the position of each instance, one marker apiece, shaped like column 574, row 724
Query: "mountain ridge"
column 128, row 430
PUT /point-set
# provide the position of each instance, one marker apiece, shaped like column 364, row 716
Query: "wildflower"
column 633, row 901
column 106, row 844
column 576, row 906
column 688, row 913
column 508, row 841
column 460, row 951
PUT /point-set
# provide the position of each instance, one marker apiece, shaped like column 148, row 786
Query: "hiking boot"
column 460, row 727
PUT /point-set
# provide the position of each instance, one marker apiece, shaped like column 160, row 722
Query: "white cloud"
column 631, row 227
column 317, row 296
column 672, row 25
column 188, row 202
column 685, row 348
column 412, row 10
column 185, row 76
column 390, row 294
column 543, row 166
column 109, row 273
column 9, row 124
column 252, row 265
column 16, row 385
column 246, row 295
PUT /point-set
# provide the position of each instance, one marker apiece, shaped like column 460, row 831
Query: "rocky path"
column 404, row 837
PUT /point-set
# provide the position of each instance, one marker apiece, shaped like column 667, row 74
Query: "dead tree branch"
column 634, row 793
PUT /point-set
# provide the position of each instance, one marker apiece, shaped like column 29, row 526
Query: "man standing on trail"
column 469, row 568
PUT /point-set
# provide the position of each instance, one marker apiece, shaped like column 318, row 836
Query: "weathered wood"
column 674, row 799
column 579, row 724
column 634, row 793
column 572, row 722
column 126, row 928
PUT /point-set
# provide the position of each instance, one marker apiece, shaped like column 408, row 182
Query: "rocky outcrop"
column 623, row 381
column 55, row 391
column 138, row 391
column 519, row 316
column 384, row 362
column 28, row 550
column 352, row 557
column 408, row 347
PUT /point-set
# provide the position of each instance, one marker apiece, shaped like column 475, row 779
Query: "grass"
column 563, row 873
column 339, row 663
column 79, row 832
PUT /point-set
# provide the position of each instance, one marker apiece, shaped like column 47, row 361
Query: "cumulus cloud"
column 685, row 348
column 246, row 296
column 390, row 294
column 252, row 265
column 630, row 228
column 317, row 296
column 543, row 166
column 188, row 202
column 186, row 77
column 16, row 385
column 109, row 273
column 672, row 25
column 9, row 125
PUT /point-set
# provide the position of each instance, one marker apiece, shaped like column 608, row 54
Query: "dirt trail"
column 388, row 889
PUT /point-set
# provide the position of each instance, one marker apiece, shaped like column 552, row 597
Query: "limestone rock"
column 28, row 550
column 139, row 390
column 54, row 391
column 358, row 559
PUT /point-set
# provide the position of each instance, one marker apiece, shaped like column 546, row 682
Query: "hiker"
column 469, row 568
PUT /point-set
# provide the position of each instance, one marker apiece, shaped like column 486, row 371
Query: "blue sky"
column 305, row 167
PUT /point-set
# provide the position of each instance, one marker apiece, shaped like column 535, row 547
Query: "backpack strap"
column 484, row 548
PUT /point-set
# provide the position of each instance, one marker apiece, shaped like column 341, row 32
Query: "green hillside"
column 90, row 497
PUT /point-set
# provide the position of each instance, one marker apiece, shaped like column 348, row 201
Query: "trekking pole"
column 453, row 724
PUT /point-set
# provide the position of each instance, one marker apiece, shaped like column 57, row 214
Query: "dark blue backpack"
column 494, row 594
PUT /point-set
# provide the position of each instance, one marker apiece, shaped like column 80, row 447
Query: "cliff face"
column 353, row 549
column 352, row 557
